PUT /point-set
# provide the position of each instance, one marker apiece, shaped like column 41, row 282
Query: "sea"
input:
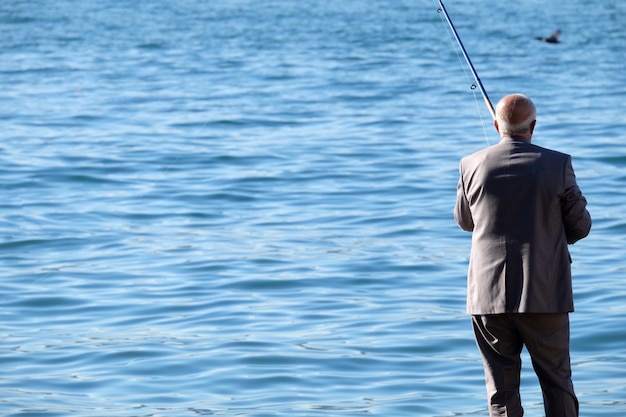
column 244, row 208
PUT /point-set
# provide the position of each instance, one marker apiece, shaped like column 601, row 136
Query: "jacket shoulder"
column 551, row 152
column 477, row 156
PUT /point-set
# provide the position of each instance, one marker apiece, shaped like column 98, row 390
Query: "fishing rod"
column 442, row 8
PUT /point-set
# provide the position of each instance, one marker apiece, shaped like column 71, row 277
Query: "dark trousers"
column 500, row 338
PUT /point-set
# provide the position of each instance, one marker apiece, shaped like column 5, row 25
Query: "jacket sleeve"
column 462, row 213
column 576, row 218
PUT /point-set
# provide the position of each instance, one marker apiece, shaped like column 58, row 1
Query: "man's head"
column 515, row 116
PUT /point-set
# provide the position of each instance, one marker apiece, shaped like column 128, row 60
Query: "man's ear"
column 495, row 124
column 532, row 126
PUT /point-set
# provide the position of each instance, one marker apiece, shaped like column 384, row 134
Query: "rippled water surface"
column 245, row 208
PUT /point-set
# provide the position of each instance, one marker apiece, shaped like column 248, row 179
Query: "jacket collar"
column 510, row 139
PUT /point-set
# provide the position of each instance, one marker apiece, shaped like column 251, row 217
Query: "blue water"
column 244, row 208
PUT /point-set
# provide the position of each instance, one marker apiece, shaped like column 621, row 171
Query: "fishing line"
column 480, row 115
column 469, row 79
column 478, row 83
column 458, row 54
column 467, row 58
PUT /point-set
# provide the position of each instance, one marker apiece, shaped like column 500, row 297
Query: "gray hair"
column 505, row 114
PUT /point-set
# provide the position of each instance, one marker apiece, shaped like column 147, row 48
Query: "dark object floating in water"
column 554, row 38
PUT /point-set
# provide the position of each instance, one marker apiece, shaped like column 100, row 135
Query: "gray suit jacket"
column 523, row 206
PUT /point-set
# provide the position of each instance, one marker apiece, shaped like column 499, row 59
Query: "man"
column 523, row 206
